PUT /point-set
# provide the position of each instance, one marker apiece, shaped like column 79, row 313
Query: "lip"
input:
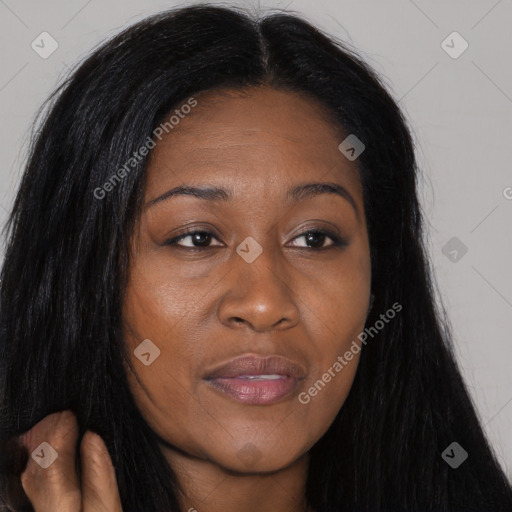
column 233, row 378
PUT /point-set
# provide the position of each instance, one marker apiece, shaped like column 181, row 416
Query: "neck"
column 207, row 487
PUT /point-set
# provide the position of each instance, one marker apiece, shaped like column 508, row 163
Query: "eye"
column 201, row 239
column 198, row 239
column 316, row 239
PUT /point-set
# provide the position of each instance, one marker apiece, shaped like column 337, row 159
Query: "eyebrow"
column 294, row 194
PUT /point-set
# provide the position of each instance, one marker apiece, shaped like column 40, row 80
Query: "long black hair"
column 66, row 267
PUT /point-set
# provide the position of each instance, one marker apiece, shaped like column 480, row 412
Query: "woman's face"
column 264, row 283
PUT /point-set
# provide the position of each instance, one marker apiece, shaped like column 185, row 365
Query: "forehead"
column 251, row 137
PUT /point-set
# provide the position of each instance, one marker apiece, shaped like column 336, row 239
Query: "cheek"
column 335, row 317
column 336, row 305
column 151, row 311
column 155, row 298
column 323, row 396
column 162, row 390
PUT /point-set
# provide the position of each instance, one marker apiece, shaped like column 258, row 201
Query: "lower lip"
column 255, row 392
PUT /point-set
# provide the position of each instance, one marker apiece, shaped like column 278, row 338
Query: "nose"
column 260, row 295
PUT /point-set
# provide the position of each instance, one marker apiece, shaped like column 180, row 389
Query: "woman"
column 215, row 294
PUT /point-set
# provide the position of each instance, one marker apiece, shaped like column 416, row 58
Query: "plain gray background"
column 460, row 110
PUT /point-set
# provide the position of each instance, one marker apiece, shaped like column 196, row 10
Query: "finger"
column 99, row 484
column 50, row 480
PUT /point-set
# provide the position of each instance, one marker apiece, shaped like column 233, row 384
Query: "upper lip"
column 252, row 364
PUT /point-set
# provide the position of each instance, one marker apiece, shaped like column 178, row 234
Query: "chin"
column 263, row 458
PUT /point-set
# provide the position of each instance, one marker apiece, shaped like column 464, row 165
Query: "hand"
column 57, row 488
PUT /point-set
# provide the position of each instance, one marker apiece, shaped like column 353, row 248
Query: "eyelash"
column 337, row 242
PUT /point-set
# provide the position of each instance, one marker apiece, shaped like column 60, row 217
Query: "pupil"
column 199, row 236
column 315, row 237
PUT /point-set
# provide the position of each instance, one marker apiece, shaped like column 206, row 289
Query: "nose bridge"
column 261, row 292
column 260, row 263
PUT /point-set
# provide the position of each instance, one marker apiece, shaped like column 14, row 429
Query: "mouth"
column 257, row 380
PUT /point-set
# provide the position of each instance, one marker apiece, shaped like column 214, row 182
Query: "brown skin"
column 302, row 298
column 203, row 308
column 56, row 487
